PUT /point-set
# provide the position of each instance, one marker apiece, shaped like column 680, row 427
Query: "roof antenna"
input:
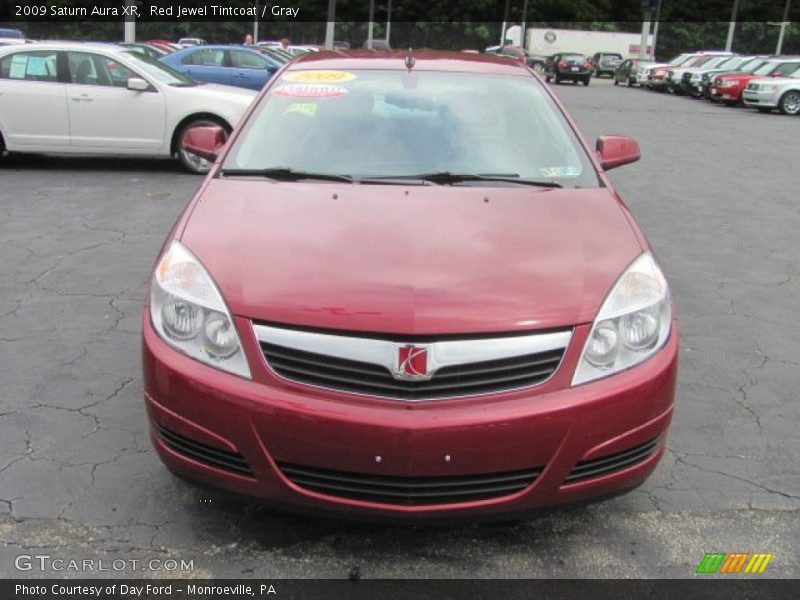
column 410, row 60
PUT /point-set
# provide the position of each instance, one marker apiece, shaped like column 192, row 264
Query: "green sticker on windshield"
column 304, row 108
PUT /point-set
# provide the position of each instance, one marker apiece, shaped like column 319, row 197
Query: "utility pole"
column 655, row 30
column 732, row 26
column 784, row 23
column 388, row 19
column 330, row 25
column 505, row 22
column 522, row 39
column 371, row 23
column 255, row 25
column 645, row 34
column 130, row 23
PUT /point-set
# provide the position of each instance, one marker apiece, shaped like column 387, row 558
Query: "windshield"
column 752, row 65
column 680, row 59
column 158, row 70
column 573, row 57
column 785, row 69
column 727, row 63
column 697, row 61
column 766, row 68
column 383, row 124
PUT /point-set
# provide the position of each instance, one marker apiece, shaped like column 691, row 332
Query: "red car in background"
column 385, row 300
column 728, row 88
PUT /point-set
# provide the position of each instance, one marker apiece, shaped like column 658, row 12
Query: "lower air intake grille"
column 411, row 491
column 213, row 457
column 374, row 380
column 613, row 462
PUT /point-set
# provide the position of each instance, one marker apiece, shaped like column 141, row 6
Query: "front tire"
column 789, row 103
column 586, row 80
column 764, row 109
column 191, row 162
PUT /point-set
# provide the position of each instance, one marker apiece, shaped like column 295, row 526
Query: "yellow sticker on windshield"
column 304, row 108
column 319, row 76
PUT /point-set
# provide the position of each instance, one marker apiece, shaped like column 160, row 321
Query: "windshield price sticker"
column 308, row 90
column 319, row 76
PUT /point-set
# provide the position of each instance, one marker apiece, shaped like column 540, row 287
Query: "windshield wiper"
column 286, row 174
column 448, row 178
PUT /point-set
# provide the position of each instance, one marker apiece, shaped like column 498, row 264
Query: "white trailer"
column 546, row 42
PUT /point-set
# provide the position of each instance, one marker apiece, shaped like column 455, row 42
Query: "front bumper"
column 268, row 423
column 726, row 93
column 760, row 98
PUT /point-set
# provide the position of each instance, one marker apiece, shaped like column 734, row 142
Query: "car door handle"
column 82, row 98
column 240, row 75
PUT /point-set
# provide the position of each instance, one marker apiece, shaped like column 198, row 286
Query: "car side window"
column 86, row 68
column 30, row 66
column 206, row 58
column 247, row 60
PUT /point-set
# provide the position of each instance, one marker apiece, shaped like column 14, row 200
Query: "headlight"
column 188, row 312
column 727, row 83
column 632, row 325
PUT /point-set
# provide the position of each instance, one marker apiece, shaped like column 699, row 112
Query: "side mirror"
column 617, row 150
column 138, row 85
column 205, row 141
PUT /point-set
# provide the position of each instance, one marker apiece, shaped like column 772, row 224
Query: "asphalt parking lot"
column 716, row 192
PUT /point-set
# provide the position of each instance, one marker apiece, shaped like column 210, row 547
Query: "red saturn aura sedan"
column 407, row 288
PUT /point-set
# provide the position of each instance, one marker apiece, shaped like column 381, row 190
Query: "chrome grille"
column 412, row 491
column 369, row 366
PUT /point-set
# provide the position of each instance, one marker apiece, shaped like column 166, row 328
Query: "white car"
column 191, row 41
column 768, row 93
column 72, row 98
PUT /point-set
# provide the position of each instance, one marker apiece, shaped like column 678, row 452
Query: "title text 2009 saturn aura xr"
column 408, row 289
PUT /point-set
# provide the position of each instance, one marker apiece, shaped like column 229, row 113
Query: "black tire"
column 192, row 163
column 764, row 109
column 731, row 102
column 789, row 104
column 586, row 80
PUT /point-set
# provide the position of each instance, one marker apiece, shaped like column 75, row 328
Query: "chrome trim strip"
column 385, row 353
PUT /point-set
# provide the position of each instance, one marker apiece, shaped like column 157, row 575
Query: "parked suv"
column 729, row 88
column 675, row 75
column 628, row 72
column 605, row 63
column 766, row 94
column 568, row 65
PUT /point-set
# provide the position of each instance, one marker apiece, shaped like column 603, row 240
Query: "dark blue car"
column 241, row 66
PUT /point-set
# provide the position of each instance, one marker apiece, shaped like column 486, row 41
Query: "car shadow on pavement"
column 36, row 162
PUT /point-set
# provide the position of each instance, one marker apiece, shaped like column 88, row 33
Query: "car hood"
column 737, row 77
column 411, row 259
column 779, row 80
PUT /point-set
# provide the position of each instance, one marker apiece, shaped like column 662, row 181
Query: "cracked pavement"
column 715, row 193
